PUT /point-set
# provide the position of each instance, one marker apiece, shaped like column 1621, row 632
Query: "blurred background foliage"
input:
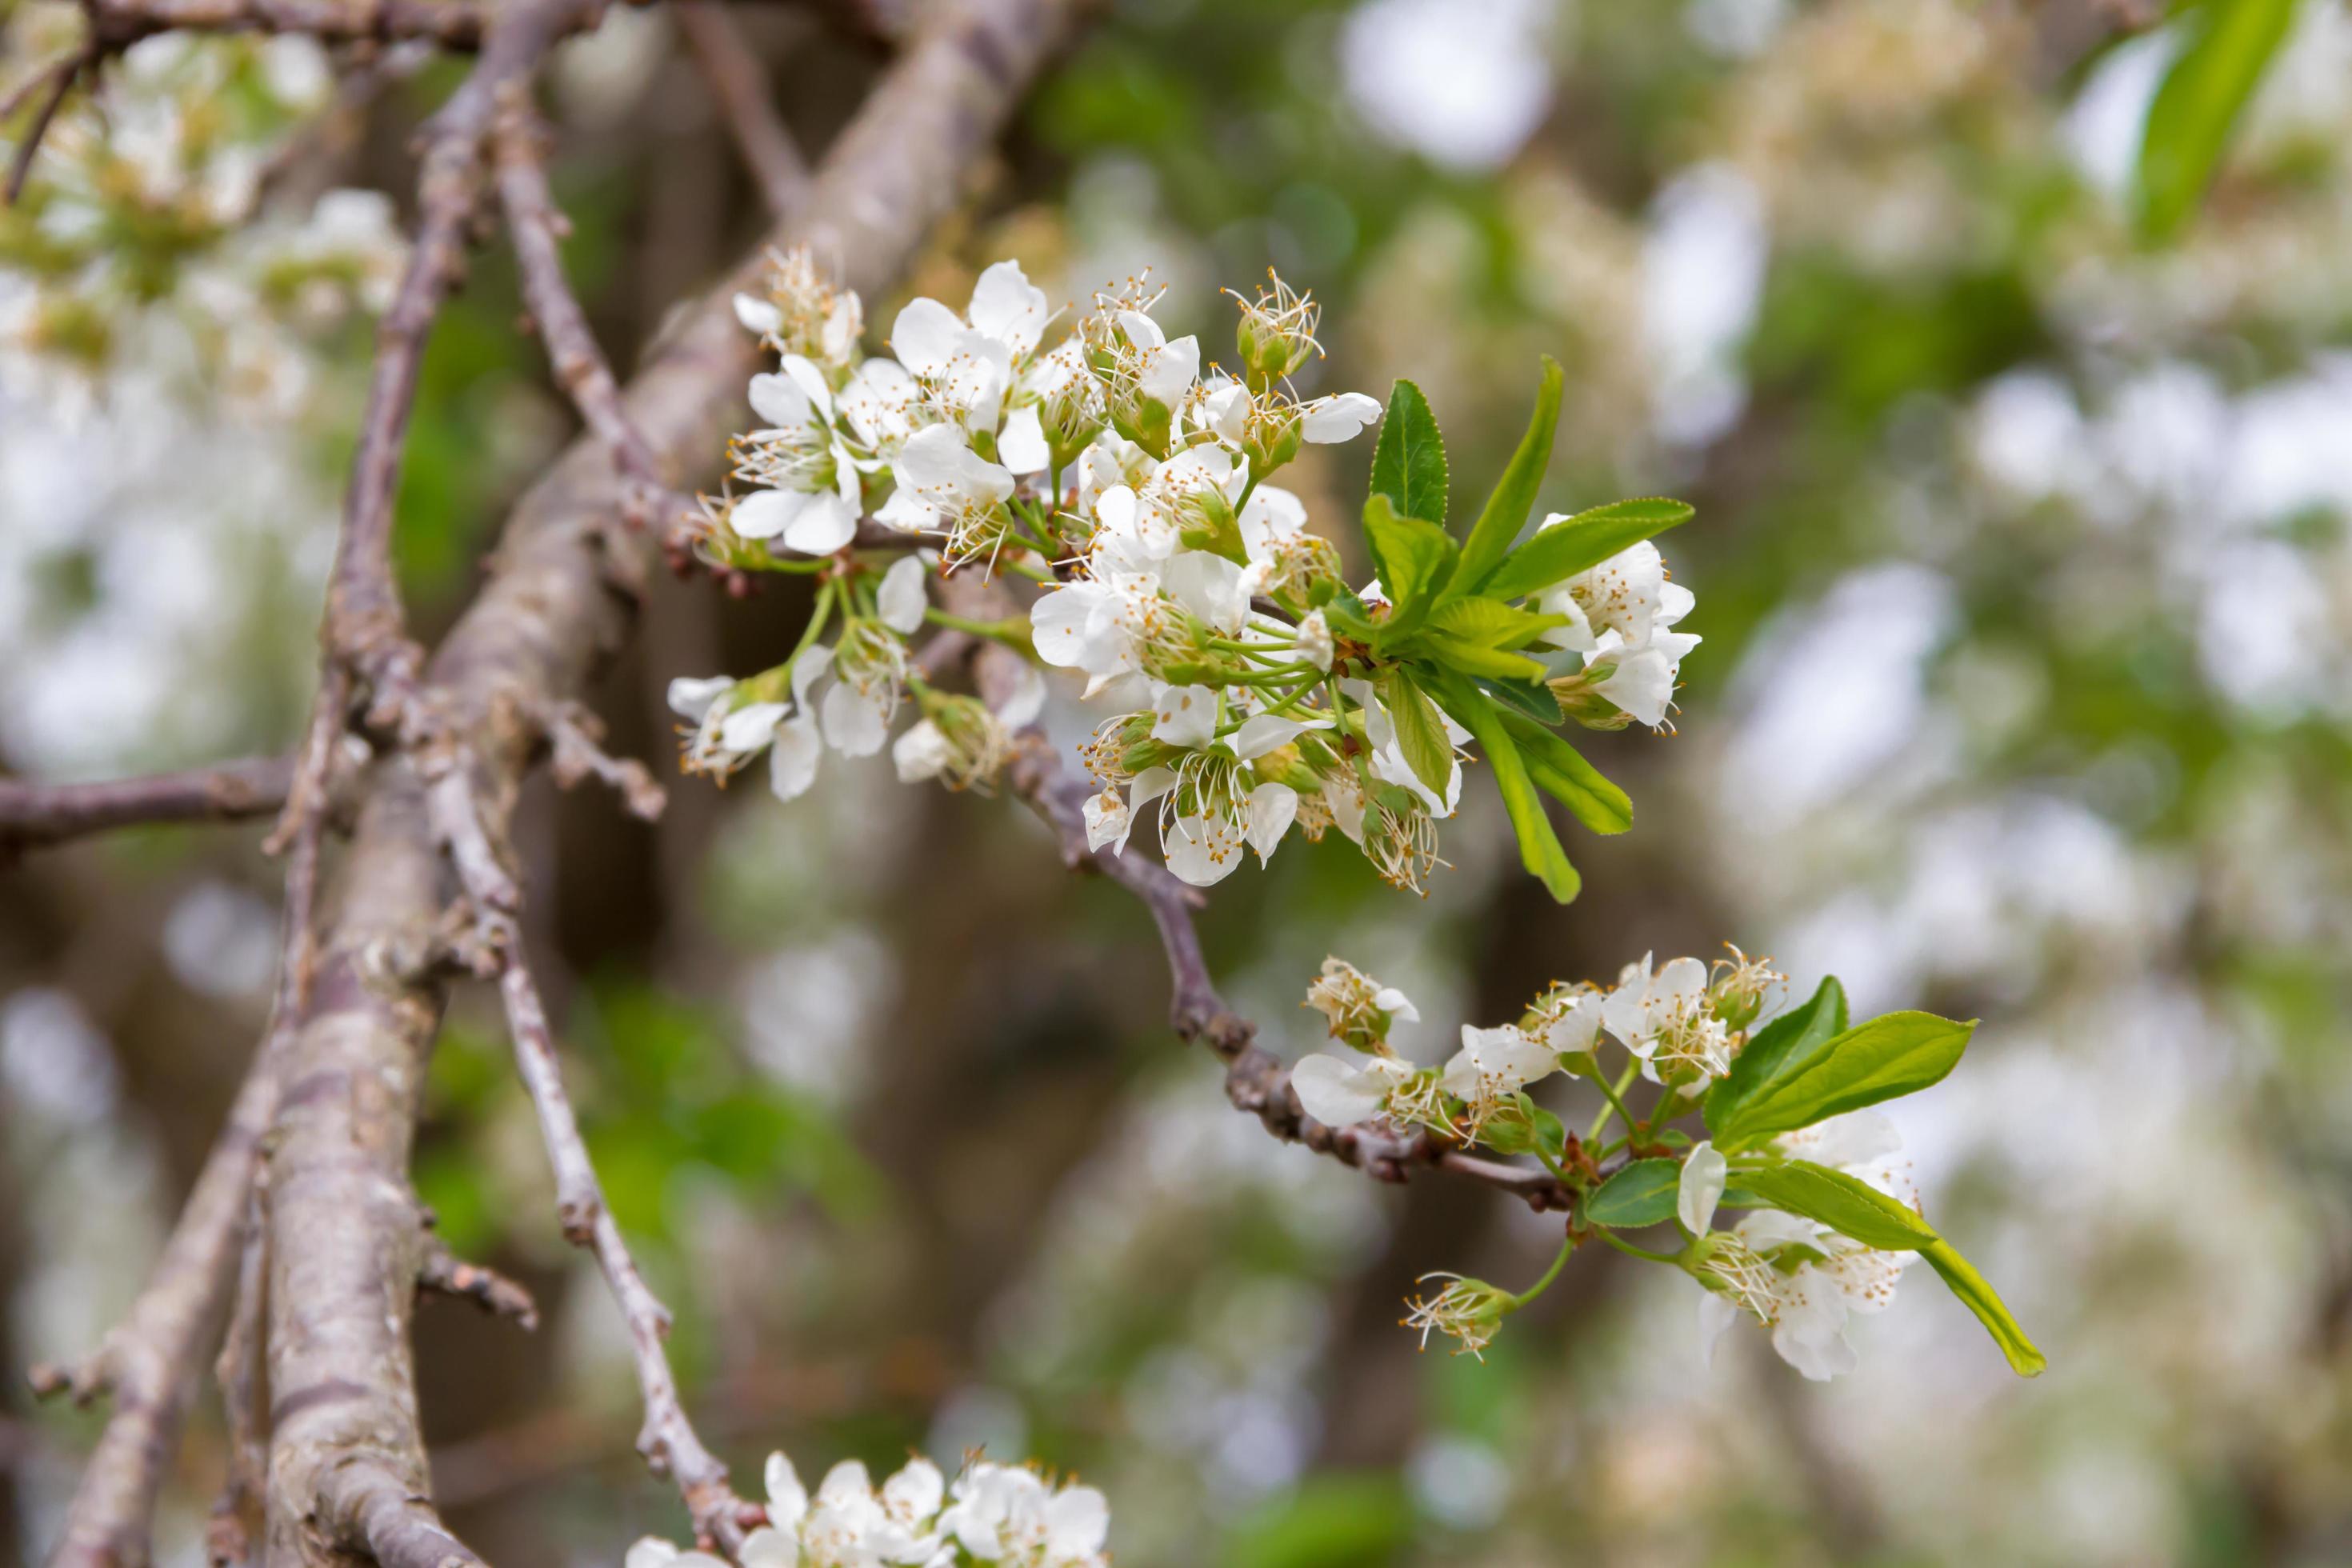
column 2022, row 467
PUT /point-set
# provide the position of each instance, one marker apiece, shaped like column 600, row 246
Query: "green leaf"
column 1978, row 1296
column 1640, row 1194
column 1409, row 461
column 1779, row 1048
column 1531, row 698
column 1846, row 1205
column 1883, row 1059
column 1415, row 559
column 1420, row 731
column 1505, row 511
column 1539, row 850
column 2229, row 47
column 1561, row 772
column 1490, row 623
column 1580, row 543
column 1472, row 660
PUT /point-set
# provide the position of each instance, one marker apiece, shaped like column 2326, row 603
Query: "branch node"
column 444, row 1273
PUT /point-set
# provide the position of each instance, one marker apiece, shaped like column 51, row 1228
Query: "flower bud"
column 1470, row 1310
column 1580, row 699
column 1277, row 332
column 1358, row 1008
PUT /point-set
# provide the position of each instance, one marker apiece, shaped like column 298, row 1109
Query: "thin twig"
column 60, row 78
column 1256, row 1081
column 667, row 1439
column 648, row 500
column 444, row 1273
column 228, row 1538
column 452, row 24
column 573, row 734
column 33, row 814
column 728, row 63
column 366, row 628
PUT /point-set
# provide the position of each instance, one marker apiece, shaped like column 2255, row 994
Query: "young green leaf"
column 1778, row 1049
column 1473, row 659
column 1847, row 1205
column 1884, row 1060
column 1978, row 1296
column 1490, row 623
column 1539, row 850
column 1420, row 731
column 1409, row 460
column 1513, row 497
column 1415, row 559
column 2231, row 44
column 1580, row 543
column 1561, row 772
column 1642, row 1194
column 1528, row 697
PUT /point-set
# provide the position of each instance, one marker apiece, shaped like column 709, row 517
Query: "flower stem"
column 1559, row 1260
column 1612, row 1237
column 1012, row 631
column 1616, row 1105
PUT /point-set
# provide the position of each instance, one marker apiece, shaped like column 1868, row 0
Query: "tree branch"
column 33, row 815
column 347, row 1465
column 149, row 1361
column 1256, row 1081
column 728, row 63
column 648, row 501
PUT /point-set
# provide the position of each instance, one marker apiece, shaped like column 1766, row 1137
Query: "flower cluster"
column 1680, row 1024
column 1797, row 1276
column 1832, row 1217
column 1128, row 479
column 143, row 235
column 1004, row 1514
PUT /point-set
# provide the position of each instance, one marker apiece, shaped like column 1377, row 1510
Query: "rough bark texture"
column 347, row 1471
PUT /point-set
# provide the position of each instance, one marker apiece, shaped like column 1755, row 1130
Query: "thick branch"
column 34, row 815
column 345, row 1246
column 149, row 1362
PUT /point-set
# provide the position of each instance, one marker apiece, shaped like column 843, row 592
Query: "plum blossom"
column 812, row 504
column 966, row 363
column 1807, row 1307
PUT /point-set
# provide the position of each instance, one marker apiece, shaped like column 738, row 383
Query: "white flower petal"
column 825, row 524
column 1185, row 716
column 792, row 766
column 901, row 599
column 691, row 696
column 1705, row 1171
column 1341, row 417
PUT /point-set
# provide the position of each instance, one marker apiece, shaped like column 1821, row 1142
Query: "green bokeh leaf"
column 2230, row 44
